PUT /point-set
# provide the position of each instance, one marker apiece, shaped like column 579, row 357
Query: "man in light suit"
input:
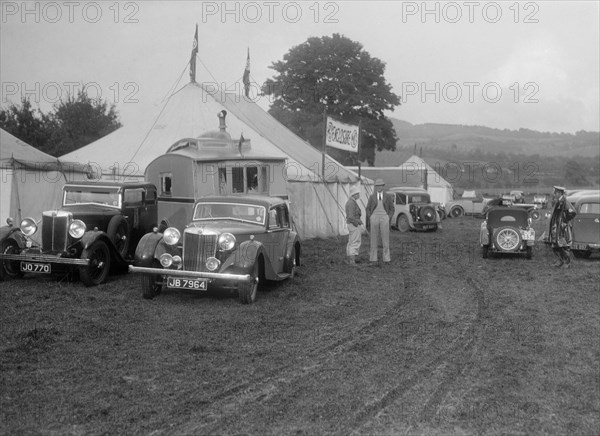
column 380, row 209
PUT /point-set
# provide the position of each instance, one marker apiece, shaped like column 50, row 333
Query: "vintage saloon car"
column 413, row 210
column 233, row 242
column 586, row 225
column 98, row 226
column 507, row 230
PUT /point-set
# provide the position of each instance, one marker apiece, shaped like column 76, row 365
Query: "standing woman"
column 380, row 209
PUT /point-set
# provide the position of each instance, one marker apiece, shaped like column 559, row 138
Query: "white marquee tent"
column 31, row 181
column 317, row 196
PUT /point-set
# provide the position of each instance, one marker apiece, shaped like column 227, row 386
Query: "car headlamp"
column 176, row 260
column 166, row 260
column 28, row 226
column 226, row 241
column 77, row 228
column 171, row 236
column 212, row 263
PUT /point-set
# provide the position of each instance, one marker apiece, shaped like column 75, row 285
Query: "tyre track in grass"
column 287, row 383
column 314, row 358
column 446, row 369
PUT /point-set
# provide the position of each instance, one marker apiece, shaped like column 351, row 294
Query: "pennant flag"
column 193, row 57
column 246, row 78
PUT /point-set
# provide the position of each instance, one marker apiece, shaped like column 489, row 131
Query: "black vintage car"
column 586, row 225
column 97, row 226
column 507, row 230
column 233, row 242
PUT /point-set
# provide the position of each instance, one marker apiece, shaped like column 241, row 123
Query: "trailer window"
column 166, row 182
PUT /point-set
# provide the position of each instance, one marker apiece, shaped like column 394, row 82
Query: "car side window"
column 400, row 198
column 274, row 222
column 133, row 196
column 285, row 218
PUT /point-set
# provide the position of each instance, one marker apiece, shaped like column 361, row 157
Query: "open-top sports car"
column 232, row 242
column 507, row 230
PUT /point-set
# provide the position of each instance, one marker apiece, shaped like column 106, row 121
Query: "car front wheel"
column 9, row 269
column 456, row 212
column 151, row 283
column 247, row 291
column 97, row 270
column 402, row 223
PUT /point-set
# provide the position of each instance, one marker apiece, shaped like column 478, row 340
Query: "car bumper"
column 45, row 258
column 585, row 246
column 246, row 278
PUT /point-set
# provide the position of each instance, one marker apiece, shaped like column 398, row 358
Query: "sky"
column 506, row 65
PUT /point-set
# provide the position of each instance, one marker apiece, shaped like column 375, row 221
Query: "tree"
column 334, row 74
column 71, row 124
column 26, row 124
column 79, row 121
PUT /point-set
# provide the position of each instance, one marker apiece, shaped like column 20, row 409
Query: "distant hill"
column 464, row 138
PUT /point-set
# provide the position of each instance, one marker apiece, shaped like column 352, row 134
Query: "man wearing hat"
column 354, row 223
column 561, row 228
column 380, row 209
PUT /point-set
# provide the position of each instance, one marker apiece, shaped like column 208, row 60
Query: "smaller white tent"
column 31, row 181
column 414, row 172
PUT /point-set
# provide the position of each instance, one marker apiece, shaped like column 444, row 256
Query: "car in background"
column 469, row 203
column 586, row 226
column 97, row 227
column 507, row 230
column 232, row 242
column 413, row 210
column 532, row 209
column 540, row 200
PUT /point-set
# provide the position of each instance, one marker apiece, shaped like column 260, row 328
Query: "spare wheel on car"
column 507, row 239
column 427, row 214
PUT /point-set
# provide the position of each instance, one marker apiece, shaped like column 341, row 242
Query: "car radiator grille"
column 196, row 249
column 54, row 232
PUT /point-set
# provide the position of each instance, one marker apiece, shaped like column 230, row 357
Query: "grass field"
column 440, row 341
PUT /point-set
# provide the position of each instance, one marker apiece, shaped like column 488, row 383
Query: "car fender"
column 14, row 233
column 90, row 237
column 145, row 252
column 484, row 235
column 242, row 260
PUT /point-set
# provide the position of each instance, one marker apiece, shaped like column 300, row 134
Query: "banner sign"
column 342, row 136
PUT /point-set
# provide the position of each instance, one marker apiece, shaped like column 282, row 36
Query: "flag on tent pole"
column 193, row 57
column 246, row 78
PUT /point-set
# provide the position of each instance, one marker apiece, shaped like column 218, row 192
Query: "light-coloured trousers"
column 380, row 228
column 354, row 240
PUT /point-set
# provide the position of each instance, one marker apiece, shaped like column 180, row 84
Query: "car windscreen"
column 250, row 213
column 514, row 217
column 419, row 198
column 91, row 195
